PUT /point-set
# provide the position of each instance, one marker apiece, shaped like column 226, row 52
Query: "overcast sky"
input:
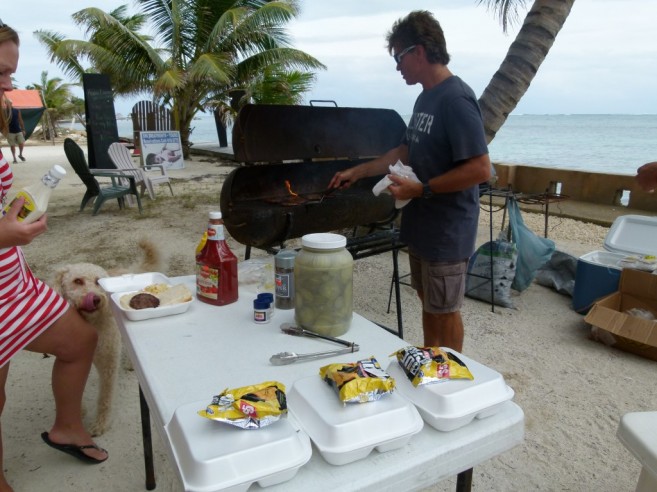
column 604, row 59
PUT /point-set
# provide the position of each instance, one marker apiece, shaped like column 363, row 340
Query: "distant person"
column 646, row 176
column 166, row 156
column 34, row 317
column 16, row 131
column 446, row 147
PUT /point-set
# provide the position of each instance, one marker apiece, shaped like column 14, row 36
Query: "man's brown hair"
column 419, row 28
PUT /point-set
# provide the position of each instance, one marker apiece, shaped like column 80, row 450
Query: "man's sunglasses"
column 398, row 57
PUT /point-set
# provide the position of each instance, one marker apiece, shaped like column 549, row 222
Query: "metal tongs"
column 326, row 193
column 292, row 329
column 284, row 358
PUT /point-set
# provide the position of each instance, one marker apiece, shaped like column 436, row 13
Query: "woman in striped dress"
column 33, row 317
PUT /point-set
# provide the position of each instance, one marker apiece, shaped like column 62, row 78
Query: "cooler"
column 598, row 272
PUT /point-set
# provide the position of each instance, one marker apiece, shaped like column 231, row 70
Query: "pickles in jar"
column 323, row 276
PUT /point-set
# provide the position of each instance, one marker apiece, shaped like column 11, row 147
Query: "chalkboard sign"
column 101, row 119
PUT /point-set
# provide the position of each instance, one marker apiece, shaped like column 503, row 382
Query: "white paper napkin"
column 398, row 169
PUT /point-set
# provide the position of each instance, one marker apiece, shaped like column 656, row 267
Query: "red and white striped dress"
column 27, row 305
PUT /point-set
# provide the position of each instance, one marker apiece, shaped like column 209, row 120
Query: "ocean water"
column 616, row 144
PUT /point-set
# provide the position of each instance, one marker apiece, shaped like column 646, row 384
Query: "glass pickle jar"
column 323, row 278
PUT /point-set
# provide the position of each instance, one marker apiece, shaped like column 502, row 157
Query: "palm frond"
column 506, row 10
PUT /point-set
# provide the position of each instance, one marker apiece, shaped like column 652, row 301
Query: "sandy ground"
column 573, row 390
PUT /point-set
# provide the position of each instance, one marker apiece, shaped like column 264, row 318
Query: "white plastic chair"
column 638, row 433
column 120, row 156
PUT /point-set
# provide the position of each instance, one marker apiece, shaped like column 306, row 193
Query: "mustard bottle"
column 37, row 195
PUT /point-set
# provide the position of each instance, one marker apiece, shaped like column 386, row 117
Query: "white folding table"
column 192, row 356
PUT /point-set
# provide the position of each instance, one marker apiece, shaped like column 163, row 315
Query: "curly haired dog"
column 78, row 284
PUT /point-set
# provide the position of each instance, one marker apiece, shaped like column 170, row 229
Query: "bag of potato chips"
column 249, row 407
column 425, row 365
column 358, row 382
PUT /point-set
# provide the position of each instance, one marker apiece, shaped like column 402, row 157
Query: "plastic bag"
column 503, row 255
column 533, row 251
column 256, row 274
column 559, row 272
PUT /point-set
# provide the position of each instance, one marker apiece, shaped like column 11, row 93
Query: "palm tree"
column 273, row 86
column 203, row 50
column 57, row 96
column 532, row 44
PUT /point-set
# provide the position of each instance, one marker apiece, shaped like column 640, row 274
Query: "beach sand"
column 573, row 390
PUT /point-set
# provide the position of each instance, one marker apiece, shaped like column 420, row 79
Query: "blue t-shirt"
column 446, row 128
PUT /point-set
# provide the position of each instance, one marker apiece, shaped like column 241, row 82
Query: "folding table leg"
column 464, row 481
column 147, row 440
column 395, row 268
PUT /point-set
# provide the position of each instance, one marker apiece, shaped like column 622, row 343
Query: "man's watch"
column 426, row 191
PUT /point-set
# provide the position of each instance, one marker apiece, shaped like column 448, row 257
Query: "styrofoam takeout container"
column 217, row 456
column 149, row 313
column 450, row 404
column 632, row 235
column 346, row 433
column 132, row 281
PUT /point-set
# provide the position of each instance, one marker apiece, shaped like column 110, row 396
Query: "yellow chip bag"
column 358, row 382
column 249, row 407
column 426, row 365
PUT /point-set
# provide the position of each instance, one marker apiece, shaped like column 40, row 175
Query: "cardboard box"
column 612, row 326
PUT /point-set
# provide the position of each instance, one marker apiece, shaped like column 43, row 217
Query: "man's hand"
column 16, row 233
column 344, row 179
column 404, row 188
column 646, row 177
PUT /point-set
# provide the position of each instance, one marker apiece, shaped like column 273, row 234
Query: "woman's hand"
column 16, row 233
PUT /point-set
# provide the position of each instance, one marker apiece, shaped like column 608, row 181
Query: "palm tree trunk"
column 532, row 44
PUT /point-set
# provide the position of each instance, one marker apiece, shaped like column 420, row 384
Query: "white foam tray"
column 450, row 404
column 214, row 456
column 132, row 281
column 347, row 433
column 633, row 235
column 149, row 313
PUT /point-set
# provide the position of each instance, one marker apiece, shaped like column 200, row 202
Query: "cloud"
column 602, row 60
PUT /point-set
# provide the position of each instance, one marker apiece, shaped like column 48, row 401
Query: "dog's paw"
column 98, row 429
column 126, row 363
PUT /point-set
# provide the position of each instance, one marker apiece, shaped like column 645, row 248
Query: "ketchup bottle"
column 216, row 266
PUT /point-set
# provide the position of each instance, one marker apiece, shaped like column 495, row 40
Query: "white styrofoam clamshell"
column 633, row 235
column 149, row 313
column 450, row 404
column 214, row 456
column 346, row 433
column 132, row 281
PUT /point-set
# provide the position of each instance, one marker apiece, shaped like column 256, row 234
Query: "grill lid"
column 275, row 133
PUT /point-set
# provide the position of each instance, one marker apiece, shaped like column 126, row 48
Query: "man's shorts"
column 442, row 283
column 14, row 139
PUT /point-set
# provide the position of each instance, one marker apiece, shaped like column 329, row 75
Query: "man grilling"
column 445, row 146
